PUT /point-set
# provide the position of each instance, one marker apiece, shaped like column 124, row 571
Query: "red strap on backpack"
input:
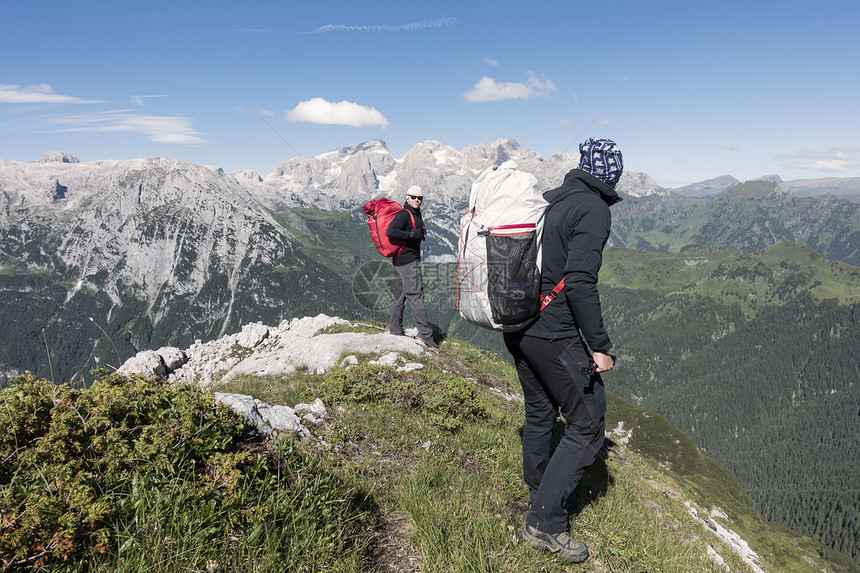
column 558, row 288
column 551, row 296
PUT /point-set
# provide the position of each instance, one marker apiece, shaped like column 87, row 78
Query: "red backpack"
column 380, row 212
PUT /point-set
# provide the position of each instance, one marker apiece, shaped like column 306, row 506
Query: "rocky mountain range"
column 842, row 188
column 707, row 188
column 344, row 179
column 156, row 251
column 348, row 177
column 133, row 245
column 116, row 251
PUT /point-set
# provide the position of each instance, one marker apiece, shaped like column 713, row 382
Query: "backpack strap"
column 551, row 296
column 546, row 300
column 400, row 250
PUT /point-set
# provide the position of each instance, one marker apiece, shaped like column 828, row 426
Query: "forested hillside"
column 773, row 398
column 757, row 357
column 748, row 216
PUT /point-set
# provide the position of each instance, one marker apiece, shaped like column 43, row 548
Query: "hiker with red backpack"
column 559, row 354
column 408, row 227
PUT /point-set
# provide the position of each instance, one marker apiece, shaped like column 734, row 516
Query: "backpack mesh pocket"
column 513, row 281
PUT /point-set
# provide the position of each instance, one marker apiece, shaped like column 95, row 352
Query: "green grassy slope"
column 415, row 471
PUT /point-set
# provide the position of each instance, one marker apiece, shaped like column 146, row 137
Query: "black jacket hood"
column 575, row 232
column 579, row 179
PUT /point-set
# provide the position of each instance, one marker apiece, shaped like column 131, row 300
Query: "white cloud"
column 725, row 147
column 36, row 93
column 488, row 89
column 422, row 25
column 491, row 62
column 318, row 110
column 162, row 129
column 834, row 158
column 141, row 99
column 829, row 165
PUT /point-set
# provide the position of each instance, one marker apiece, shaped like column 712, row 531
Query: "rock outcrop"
column 270, row 351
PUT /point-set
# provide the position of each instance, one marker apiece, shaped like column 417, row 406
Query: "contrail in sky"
column 422, row 25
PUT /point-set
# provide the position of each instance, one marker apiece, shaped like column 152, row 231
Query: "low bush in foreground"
column 446, row 400
column 138, row 474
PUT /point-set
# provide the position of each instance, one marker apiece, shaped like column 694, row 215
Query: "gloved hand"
column 415, row 234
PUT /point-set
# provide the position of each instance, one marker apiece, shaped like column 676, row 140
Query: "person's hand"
column 602, row 362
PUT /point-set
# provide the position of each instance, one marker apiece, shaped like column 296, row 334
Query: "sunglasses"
column 415, row 197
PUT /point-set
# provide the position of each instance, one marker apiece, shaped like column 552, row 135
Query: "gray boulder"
column 268, row 419
column 161, row 362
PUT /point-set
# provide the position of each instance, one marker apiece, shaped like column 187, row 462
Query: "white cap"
column 415, row 191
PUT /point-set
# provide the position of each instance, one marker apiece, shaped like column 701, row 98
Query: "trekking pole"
column 281, row 136
column 587, row 127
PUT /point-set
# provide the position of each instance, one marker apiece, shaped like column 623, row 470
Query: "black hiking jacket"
column 400, row 228
column 575, row 232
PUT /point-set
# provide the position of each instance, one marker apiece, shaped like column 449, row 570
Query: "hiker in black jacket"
column 407, row 267
column 560, row 354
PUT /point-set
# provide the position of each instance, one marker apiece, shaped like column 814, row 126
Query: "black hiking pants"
column 409, row 289
column 557, row 377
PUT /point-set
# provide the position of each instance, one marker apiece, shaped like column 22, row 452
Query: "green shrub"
column 445, row 398
column 368, row 383
column 452, row 396
column 140, row 463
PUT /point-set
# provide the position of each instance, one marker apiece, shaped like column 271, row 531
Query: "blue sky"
column 689, row 90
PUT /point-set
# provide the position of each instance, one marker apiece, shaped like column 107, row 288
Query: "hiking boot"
column 559, row 543
column 428, row 341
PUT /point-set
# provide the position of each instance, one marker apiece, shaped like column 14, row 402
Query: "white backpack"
column 498, row 271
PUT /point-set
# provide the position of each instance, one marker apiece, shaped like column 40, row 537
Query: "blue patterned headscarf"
column 601, row 158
